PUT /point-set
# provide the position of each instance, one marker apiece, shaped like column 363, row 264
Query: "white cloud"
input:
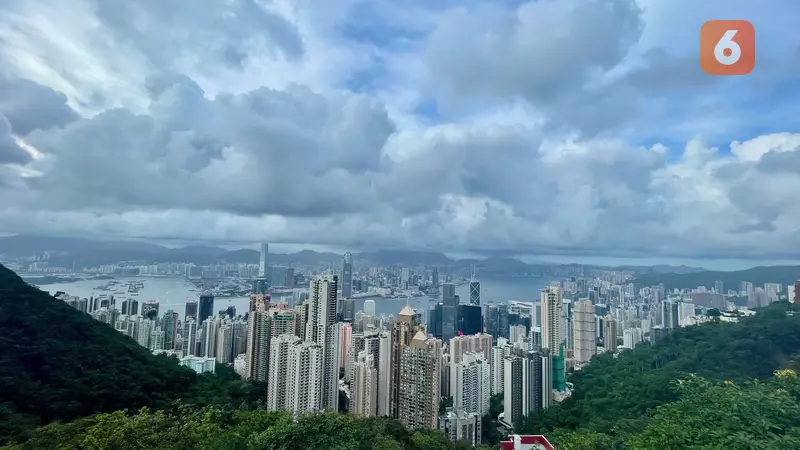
column 563, row 127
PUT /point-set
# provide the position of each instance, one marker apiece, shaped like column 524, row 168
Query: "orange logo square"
column 727, row 47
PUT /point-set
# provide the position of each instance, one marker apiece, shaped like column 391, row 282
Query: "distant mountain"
column 730, row 280
column 79, row 252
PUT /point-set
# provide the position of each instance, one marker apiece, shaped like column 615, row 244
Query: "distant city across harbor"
column 173, row 293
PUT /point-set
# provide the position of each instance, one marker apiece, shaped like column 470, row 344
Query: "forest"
column 619, row 397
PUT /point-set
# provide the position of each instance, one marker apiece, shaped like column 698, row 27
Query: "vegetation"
column 59, row 364
column 730, row 280
column 227, row 428
column 711, row 415
column 618, row 396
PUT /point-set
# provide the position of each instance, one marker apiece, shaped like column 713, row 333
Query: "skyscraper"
column 347, row 275
column 305, row 376
column 552, row 306
column 610, row 332
column 471, row 383
column 262, row 261
column 257, row 336
column 279, row 371
column 321, row 328
column 206, row 308
column 449, row 311
column 191, row 310
column 584, row 331
column 474, row 290
column 365, row 385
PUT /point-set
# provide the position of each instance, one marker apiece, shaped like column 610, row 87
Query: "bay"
column 173, row 293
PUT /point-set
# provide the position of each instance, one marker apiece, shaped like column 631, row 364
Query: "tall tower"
column 262, row 261
column 584, row 333
column 304, row 382
column 257, row 337
column 552, row 307
column 365, row 385
column 321, row 328
column 449, row 307
column 347, row 275
column 206, row 308
column 419, row 382
column 279, row 371
column 474, row 289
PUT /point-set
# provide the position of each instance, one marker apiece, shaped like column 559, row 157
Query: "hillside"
column 217, row 428
column 616, row 395
column 58, row 363
column 731, row 280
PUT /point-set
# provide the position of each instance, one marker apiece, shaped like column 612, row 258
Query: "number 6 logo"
column 727, row 47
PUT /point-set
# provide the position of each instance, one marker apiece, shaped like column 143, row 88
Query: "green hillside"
column 59, row 364
column 731, row 280
column 618, row 395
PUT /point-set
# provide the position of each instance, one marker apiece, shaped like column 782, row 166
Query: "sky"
column 562, row 130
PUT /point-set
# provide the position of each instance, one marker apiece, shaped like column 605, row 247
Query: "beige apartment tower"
column 552, row 307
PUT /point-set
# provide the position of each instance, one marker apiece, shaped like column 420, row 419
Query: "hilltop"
column 59, row 364
column 730, row 279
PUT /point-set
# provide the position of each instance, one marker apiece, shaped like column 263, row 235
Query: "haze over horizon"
column 467, row 127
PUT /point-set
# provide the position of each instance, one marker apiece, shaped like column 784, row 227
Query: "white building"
column 304, row 384
column 458, row 424
column 281, row 348
column 552, row 308
column 584, row 331
column 499, row 352
column 471, row 380
column 199, row 364
column 321, row 328
column 364, row 388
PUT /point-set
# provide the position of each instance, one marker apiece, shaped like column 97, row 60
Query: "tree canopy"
column 59, row 364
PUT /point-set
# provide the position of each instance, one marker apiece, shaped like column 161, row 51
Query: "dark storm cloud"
column 29, row 106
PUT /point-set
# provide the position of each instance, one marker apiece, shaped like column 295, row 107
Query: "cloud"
column 550, row 128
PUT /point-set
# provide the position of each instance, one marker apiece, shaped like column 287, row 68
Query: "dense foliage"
column 730, row 280
column 618, row 395
column 215, row 428
column 58, row 363
column 711, row 415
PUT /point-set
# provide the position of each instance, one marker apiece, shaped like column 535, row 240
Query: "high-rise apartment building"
column 225, row 334
column 671, row 315
column 415, row 373
column 584, row 331
column 499, row 352
column 281, row 349
column 257, row 337
column 471, row 383
column 385, row 353
column 512, row 389
column 552, row 307
column 610, row 333
column 364, row 388
column 305, row 378
column 321, row 328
